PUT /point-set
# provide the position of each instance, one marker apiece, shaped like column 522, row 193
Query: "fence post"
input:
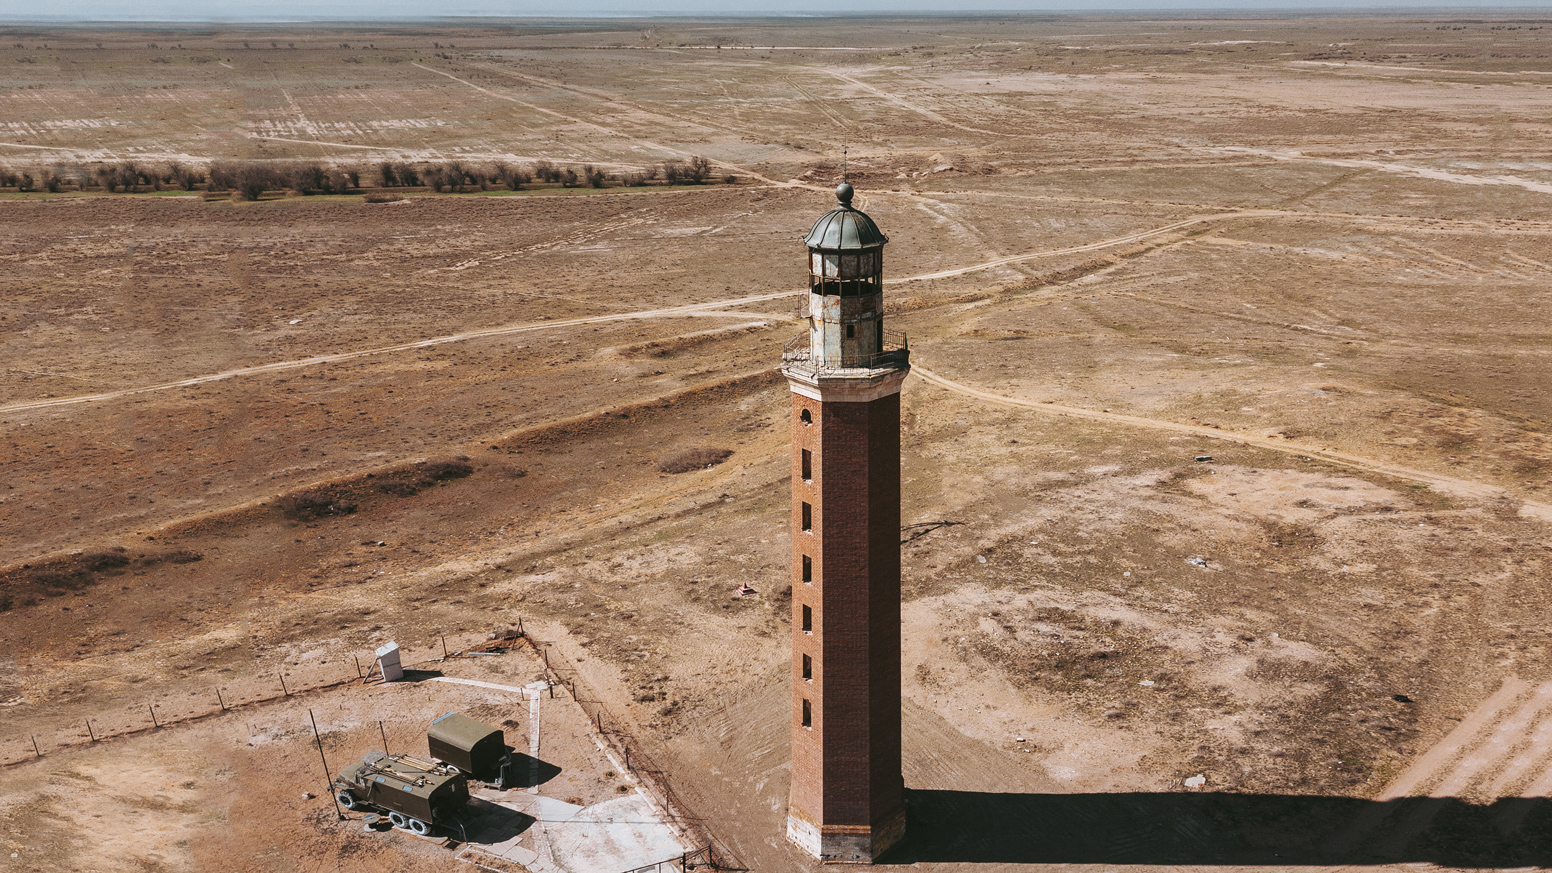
column 283, row 688
column 220, row 700
column 384, row 735
column 444, row 645
column 89, row 731
column 152, row 708
column 358, row 665
column 328, row 777
column 35, row 749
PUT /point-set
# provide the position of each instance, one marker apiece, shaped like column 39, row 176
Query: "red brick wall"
column 846, row 766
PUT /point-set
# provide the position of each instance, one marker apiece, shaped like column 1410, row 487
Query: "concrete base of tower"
column 846, row 844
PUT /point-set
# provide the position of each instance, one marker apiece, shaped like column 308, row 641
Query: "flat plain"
column 1314, row 252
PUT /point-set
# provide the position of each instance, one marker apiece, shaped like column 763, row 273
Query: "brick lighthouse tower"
column 845, row 374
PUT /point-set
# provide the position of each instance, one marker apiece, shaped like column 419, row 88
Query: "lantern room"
column 845, row 287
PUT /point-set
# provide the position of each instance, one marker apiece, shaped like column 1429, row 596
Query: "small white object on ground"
column 1127, row 574
column 980, row 559
column 1197, row 562
column 1196, row 781
column 1146, row 683
column 295, row 321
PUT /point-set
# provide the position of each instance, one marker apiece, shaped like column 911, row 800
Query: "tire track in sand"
column 1447, row 484
column 710, row 308
column 608, row 130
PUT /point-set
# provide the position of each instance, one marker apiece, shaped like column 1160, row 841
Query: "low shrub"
column 315, row 503
column 406, row 483
column 697, row 458
column 104, row 559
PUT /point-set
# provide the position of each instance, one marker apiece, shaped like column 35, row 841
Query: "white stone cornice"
column 844, row 386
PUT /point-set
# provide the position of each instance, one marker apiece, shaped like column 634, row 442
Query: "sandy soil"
column 1314, row 251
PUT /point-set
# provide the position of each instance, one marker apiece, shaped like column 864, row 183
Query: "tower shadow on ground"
column 1218, row 828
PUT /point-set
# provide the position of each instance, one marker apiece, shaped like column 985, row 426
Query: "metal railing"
column 896, row 353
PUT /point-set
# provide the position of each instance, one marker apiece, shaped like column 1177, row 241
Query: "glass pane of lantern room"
column 832, row 266
column 848, row 266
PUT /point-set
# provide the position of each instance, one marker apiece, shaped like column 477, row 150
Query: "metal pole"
column 152, row 707
column 283, row 685
column 444, row 646
column 520, row 626
column 358, row 665
column 35, row 749
column 384, row 734
column 220, row 700
column 89, row 731
column 327, row 778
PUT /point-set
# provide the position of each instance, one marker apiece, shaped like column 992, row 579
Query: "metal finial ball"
column 843, row 193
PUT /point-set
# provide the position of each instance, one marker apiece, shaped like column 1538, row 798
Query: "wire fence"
column 559, row 670
column 217, row 700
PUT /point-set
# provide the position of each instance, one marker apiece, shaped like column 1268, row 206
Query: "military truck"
column 417, row 795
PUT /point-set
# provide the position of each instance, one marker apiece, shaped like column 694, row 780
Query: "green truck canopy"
column 472, row 746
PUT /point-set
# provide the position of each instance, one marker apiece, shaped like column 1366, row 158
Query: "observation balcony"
column 798, row 354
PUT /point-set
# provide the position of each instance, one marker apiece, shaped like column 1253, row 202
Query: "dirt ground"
column 241, row 439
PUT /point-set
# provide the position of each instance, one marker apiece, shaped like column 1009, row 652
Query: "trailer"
column 417, row 795
column 472, row 747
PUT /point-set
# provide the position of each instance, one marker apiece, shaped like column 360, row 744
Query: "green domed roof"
column 844, row 227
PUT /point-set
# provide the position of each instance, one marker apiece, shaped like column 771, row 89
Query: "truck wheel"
column 347, row 799
column 399, row 820
column 419, row 827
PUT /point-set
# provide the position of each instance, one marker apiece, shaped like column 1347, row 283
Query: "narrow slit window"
column 851, row 331
column 808, row 668
column 806, row 417
column 808, row 517
column 808, row 465
column 808, row 713
column 808, row 619
column 808, row 569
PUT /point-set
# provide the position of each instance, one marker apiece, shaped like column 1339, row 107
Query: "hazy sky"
column 271, row 10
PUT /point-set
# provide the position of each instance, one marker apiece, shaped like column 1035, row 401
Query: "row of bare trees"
column 251, row 179
column 123, row 176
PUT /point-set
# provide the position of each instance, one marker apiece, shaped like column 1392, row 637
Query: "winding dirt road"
column 1447, row 484
column 723, row 309
column 709, row 309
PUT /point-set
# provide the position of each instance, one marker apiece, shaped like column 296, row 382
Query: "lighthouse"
column 845, row 372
